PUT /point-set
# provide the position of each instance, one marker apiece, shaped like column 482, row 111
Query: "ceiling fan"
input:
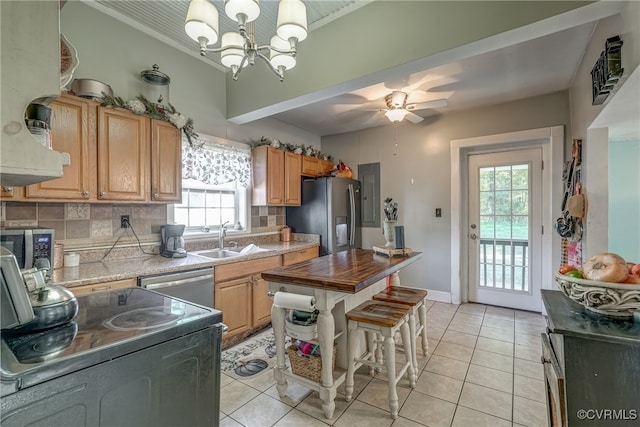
column 397, row 107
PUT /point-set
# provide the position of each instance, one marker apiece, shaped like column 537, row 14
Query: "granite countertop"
column 570, row 318
column 105, row 271
column 346, row 271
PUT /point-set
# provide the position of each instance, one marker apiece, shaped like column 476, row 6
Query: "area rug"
column 255, row 355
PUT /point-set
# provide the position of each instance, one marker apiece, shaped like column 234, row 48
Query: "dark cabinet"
column 591, row 365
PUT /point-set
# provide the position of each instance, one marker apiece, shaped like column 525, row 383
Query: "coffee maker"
column 171, row 241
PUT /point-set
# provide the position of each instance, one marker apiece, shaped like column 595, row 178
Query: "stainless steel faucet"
column 221, row 235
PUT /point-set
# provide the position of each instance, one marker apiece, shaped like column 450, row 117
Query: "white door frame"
column 551, row 139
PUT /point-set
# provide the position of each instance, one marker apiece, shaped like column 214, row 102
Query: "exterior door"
column 505, row 228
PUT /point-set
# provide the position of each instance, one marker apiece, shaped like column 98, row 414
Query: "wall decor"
column 607, row 70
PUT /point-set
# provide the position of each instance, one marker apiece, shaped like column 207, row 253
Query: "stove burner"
column 144, row 318
column 38, row 346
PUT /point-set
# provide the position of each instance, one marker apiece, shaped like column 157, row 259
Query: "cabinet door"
column 166, row 162
column 233, row 298
column 72, row 131
column 275, row 176
column 261, row 301
column 292, row 167
column 324, row 167
column 123, row 155
column 309, row 166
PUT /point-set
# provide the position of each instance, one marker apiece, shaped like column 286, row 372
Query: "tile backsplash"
column 94, row 224
column 86, row 224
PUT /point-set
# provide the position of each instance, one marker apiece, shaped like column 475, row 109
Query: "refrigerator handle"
column 352, row 209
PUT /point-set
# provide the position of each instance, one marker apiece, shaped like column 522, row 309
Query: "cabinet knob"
column 156, row 195
column 85, row 193
column 7, row 188
column 103, row 193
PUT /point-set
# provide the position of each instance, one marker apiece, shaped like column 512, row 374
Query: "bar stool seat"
column 415, row 299
column 385, row 319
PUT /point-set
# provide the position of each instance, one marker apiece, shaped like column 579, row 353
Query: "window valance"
column 216, row 163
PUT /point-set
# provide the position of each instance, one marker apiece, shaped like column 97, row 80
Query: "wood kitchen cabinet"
column 299, row 256
column 276, row 177
column 313, row 167
column 123, row 155
column 116, row 155
column 241, row 295
column 166, row 162
column 72, row 131
column 101, row 287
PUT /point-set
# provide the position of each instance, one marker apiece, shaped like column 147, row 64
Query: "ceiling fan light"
column 396, row 115
column 281, row 59
column 250, row 8
column 233, row 45
column 292, row 20
column 202, row 21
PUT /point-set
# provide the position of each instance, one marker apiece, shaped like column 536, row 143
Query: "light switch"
column 438, row 212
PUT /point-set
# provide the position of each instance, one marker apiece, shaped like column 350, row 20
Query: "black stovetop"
column 108, row 325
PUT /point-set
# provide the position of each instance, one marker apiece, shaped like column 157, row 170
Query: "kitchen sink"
column 219, row 253
column 229, row 253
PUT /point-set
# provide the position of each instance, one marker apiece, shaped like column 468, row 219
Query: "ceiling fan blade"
column 429, row 104
column 413, row 117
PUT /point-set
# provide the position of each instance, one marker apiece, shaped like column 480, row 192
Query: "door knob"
column 473, row 236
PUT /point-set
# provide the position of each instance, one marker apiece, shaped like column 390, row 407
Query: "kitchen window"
column 216, row 174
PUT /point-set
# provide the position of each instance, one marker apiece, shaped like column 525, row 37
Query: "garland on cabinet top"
column 141, row 105
column 307, row 150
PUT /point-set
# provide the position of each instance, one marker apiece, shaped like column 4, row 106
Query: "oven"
column 554, row 384
column 131, row 357
column 195, row 286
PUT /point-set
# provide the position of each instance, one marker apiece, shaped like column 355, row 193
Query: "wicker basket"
column 306, row 365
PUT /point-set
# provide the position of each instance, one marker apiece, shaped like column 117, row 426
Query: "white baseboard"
column 440, row 296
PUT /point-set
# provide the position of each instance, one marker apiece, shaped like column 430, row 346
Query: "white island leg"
column 277, row 321
column 326, row 335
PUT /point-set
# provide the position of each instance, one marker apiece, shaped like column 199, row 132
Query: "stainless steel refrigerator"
column 330, row 208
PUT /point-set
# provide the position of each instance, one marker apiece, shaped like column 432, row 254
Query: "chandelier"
column 237, row 49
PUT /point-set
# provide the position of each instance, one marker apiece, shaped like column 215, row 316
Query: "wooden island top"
column 346, row 271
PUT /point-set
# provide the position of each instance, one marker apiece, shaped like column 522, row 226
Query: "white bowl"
column 611, row 299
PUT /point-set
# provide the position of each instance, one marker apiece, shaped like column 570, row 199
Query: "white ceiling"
column 538, row 66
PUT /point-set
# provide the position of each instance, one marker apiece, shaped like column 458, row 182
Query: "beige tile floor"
column 483, row 370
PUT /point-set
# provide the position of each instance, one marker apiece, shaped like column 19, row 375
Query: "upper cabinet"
column 30, row 43
column 313, row 167
column 123, row 155
column 276, row 177
column 116, row 155
column 72, row 131
column 166, row 162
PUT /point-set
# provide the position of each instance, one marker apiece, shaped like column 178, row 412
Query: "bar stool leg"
column 351, row 360
column 407, row 339
column 372, row 348
column 390, row 359
column 422, row 313
column 412, row 339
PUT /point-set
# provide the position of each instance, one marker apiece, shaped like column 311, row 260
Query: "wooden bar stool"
column 415, row 299
column 379, row 317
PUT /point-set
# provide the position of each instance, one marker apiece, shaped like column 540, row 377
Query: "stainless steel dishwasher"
column 195, row 286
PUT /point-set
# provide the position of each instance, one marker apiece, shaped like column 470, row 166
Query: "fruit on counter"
column 632, row 280
column 574, row 273
column 564, row 269
column 606, row 267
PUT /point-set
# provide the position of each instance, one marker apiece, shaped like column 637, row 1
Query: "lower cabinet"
column 241, row 295
column 106, row 286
